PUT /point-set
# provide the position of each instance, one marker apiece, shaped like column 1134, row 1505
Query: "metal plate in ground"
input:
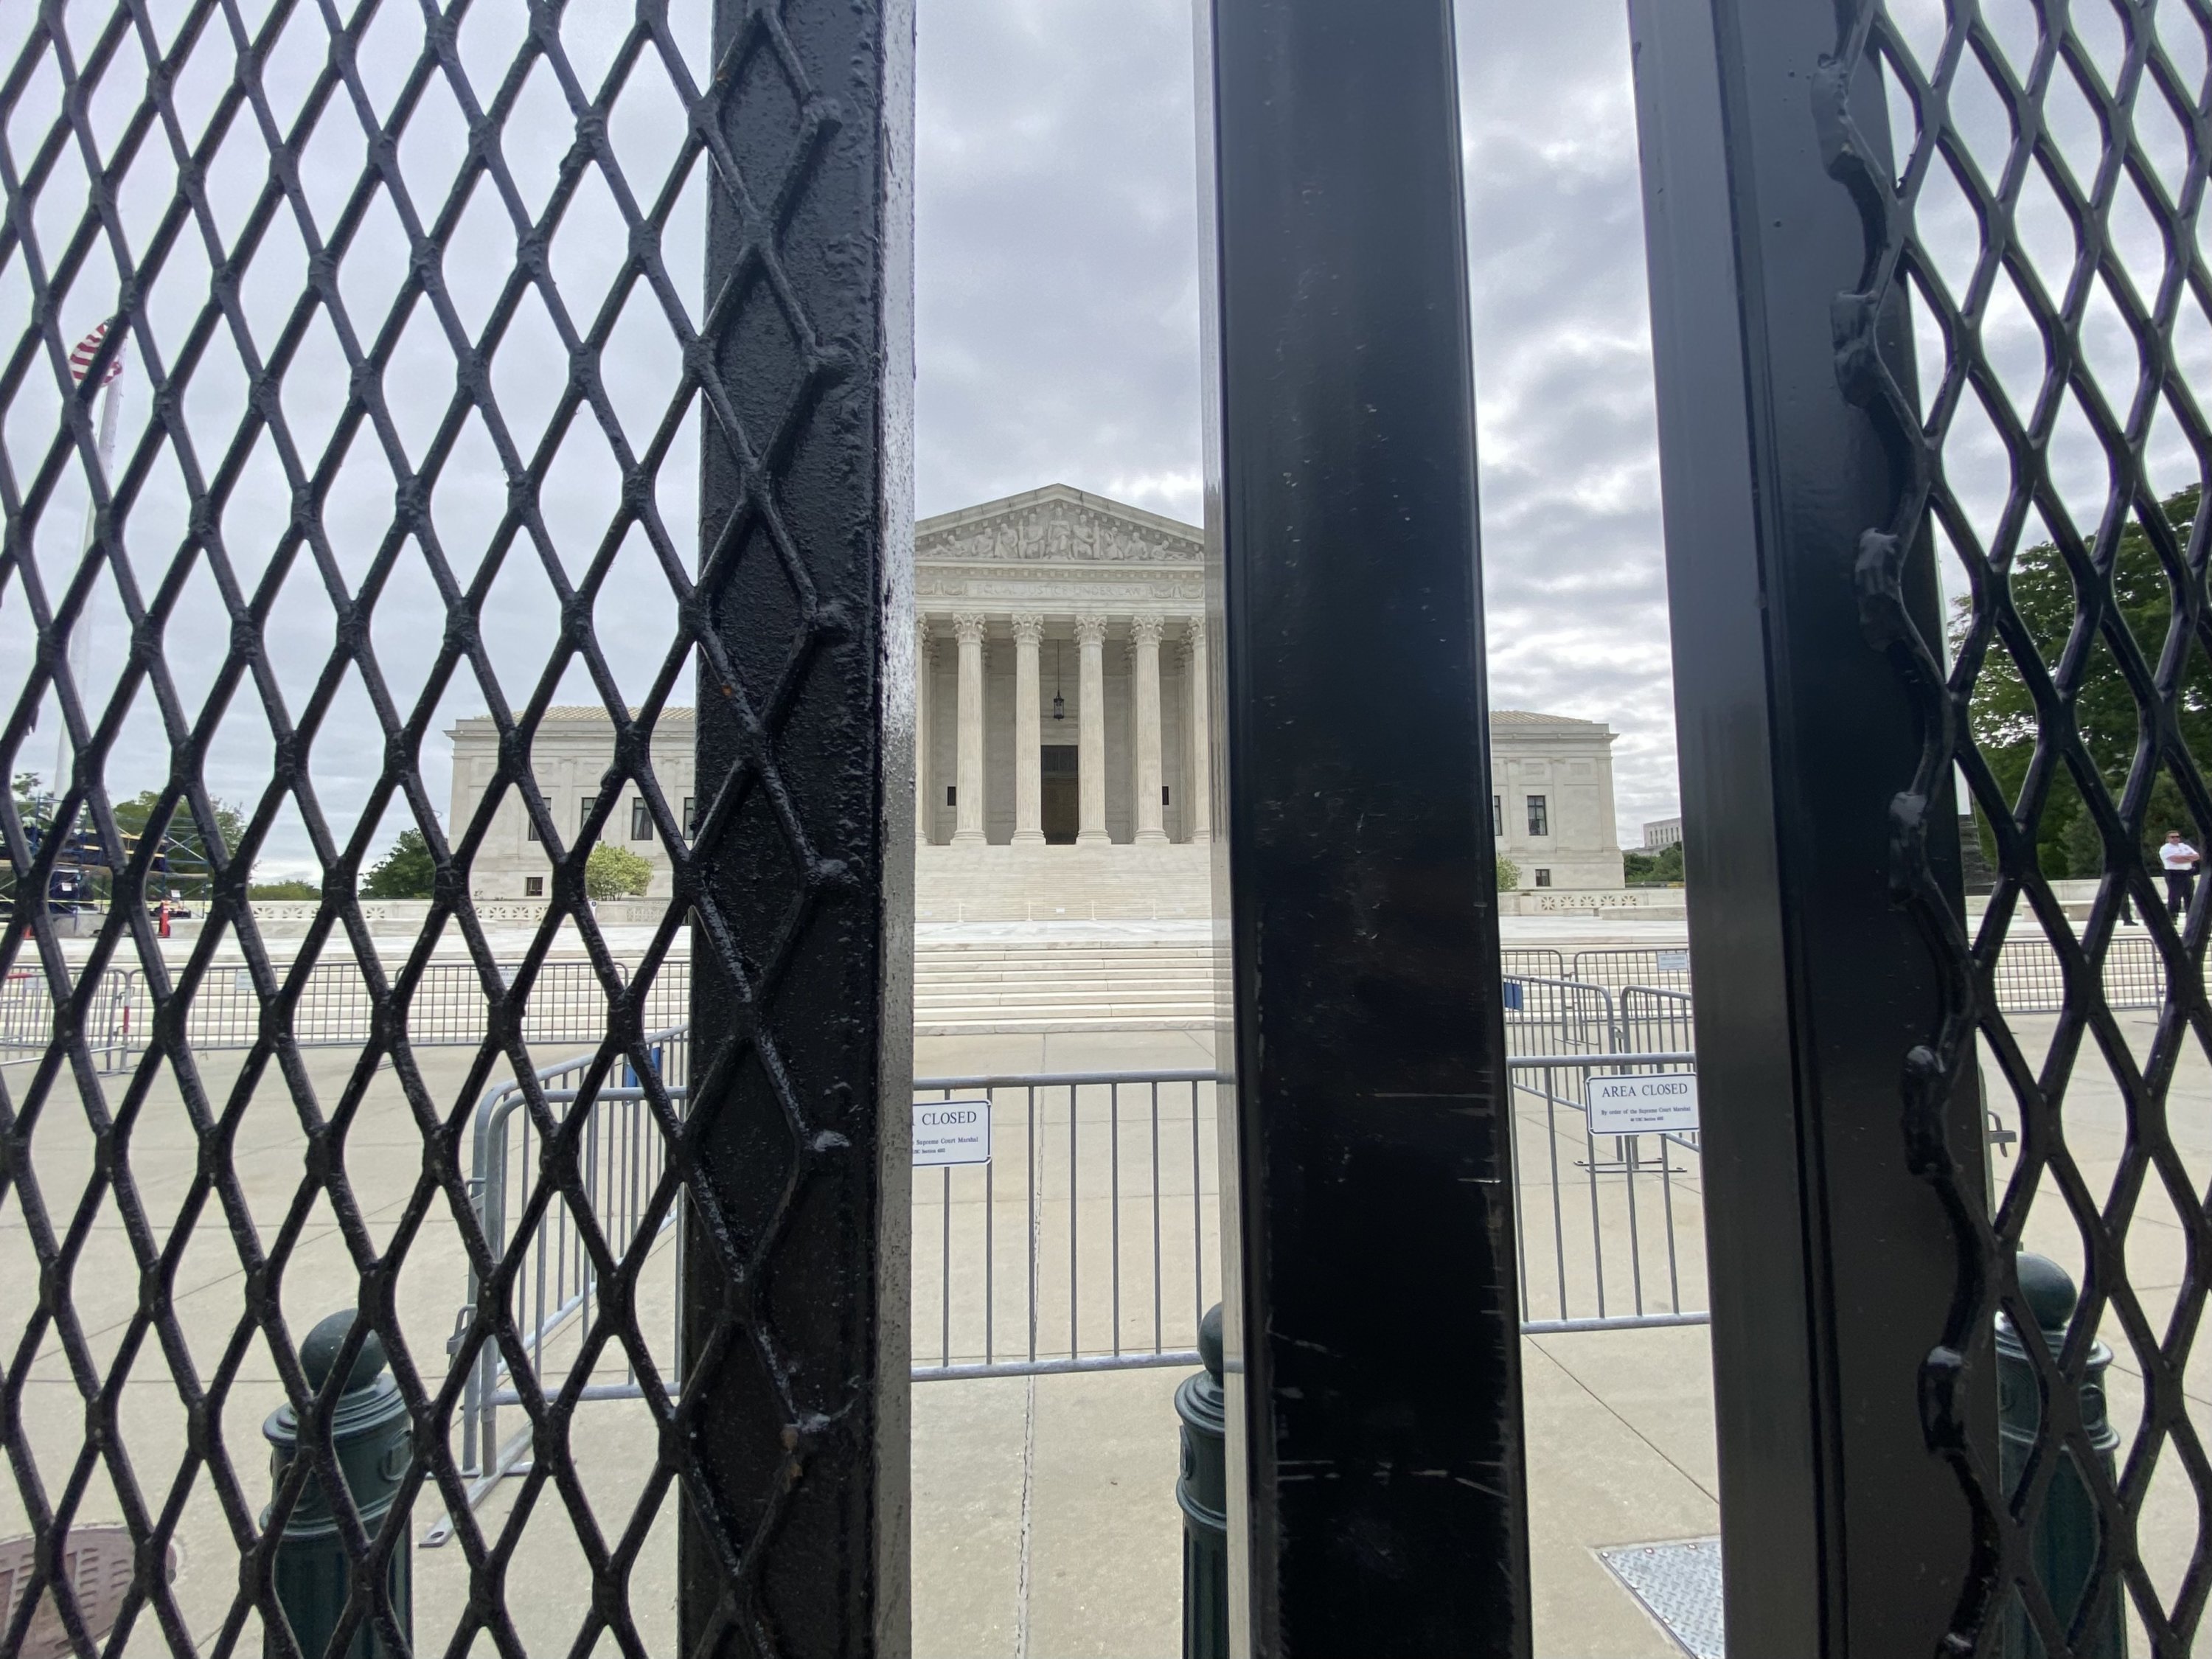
column 98, row 1562
column 1679, row 1584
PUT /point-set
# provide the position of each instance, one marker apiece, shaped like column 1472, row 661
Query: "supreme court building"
column 1065, row 765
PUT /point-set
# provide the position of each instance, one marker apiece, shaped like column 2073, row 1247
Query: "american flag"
column 87, row 349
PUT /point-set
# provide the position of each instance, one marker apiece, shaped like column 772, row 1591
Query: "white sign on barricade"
column 947, row 1132
column 1673, row 962
column 1656, row 1103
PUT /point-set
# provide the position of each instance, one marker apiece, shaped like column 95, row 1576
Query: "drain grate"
column 98, row 1563
column 1679, row 1584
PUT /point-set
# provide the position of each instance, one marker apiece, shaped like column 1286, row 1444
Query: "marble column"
column 968, row 773
column 1090, row 707
column 1029, row 737
column 1198, row 805
column 1145, row 707
column 922, row 676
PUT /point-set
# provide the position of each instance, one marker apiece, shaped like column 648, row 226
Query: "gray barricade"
column 1666, row 966
column 1533, row 962
column 618, row 1149
column 1655, row 1020
column 1087, row 1242
column 2030, row 980
column 1557, row 1017
column 1610, row 1229
column 114, row 1021
column 330, row 1003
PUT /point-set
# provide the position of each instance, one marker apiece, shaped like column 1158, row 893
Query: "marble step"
column 986, row 986
column 1087, row 977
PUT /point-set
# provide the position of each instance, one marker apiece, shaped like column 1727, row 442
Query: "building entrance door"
column 1061, row 813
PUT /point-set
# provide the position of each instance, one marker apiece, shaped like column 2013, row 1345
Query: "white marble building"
column 1066, row 768
column 570, row 755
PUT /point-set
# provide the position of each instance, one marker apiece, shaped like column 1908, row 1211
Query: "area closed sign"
column 947, row 1132
column 1657, row 1102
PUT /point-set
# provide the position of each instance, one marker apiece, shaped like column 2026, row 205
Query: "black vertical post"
column 793, row 1535
column 1831, row 1267
column 1378, row 1500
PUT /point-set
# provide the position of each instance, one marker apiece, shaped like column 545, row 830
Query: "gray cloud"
column 1572, row 562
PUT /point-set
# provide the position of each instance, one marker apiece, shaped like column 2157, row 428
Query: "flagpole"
column 80, row 649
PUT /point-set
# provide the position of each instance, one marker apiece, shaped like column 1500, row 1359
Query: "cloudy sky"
column 1058, row 342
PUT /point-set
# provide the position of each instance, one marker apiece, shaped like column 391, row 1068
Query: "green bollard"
column 1203, row 1493
column 369, row 1431
column 2064, row 1549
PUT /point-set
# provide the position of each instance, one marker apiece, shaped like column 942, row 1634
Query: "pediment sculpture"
column 1059, row 532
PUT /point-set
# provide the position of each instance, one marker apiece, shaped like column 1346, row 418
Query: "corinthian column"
column 1028, row 739
column 922, row 666
column 1145, row 699
column 968, row 773
column 1090, row 707
column 1197, row 806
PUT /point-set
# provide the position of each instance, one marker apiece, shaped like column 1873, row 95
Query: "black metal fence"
column 366, row 366
column 430, row 318
column 1930, row 308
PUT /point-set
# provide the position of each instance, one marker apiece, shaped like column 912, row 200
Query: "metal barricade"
column 619, row 1157
column 333, row 1007
column 1557, row 1017
column 1667, row 966
column 1533, row 962
column 2030, row 980
column 1654, row 1020
column 1639, row 1204
column 1007, row 1268
column 1088, row 1241
column 113, row 1023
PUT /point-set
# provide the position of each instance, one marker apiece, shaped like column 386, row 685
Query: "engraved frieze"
column 1059, row 532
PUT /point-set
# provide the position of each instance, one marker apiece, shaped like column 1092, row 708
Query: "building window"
column 641, row 820
column 951, row 795
column 1497, row 816
column 1539, row 817
column 1164, row 796
column 530, row 823
column 1543, row 879
column 533, row 887
column 691, row 816
column 584, row 812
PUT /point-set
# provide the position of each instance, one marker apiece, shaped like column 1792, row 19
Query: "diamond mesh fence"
column 2033, row 207
column 364, row 363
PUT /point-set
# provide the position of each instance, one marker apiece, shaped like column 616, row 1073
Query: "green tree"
column 613, row 872
column 2004, row 714
column 407, row 872
column 185, row 866
column 1661, row 869
column 1508, row 875
column 288, row 887
column 31, row 814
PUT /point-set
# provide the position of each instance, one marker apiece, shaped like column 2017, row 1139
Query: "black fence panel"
column 473, row 361
column 1371, row 1122
column 1931, row 308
